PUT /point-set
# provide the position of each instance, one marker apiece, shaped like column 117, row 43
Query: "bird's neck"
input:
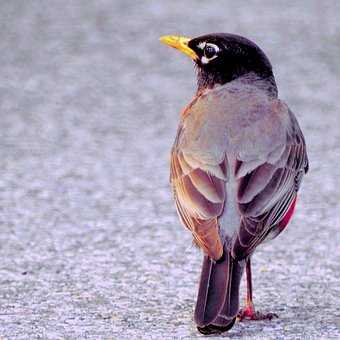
column 265, row 83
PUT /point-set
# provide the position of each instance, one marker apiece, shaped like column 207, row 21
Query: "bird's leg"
column 249, row 313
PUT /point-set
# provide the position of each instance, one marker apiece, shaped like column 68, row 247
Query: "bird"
column 236, row 167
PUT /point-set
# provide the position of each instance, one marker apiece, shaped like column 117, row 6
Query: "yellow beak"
column 181, row 43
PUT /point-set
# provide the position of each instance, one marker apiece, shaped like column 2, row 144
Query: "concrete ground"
column 90, row 243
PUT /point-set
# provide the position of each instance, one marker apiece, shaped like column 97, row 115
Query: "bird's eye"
column 210, row 51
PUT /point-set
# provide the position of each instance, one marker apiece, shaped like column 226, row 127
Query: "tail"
column 218, row 295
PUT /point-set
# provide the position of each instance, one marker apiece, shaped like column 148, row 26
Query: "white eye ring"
column 201, row 45
column 206, row 59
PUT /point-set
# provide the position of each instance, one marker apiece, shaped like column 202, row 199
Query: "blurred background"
column 90, row 243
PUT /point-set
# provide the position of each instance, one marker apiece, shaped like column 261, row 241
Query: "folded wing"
column 199, row 190
column 267, row 193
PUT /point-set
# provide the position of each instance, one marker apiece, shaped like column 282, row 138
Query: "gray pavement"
column 90, row 244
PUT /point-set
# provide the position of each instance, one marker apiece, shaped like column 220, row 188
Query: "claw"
column 249, row 313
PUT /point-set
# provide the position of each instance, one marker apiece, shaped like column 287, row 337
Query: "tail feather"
column 218, row 295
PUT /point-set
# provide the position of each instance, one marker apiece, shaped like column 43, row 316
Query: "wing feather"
column 266, row 194
column 200, row 198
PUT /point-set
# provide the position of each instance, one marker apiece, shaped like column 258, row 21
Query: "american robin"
column 236, row 167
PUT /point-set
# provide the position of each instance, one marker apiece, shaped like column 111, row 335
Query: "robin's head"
column 222, row 57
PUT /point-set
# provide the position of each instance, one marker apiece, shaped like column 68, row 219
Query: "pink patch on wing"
column 283, row 223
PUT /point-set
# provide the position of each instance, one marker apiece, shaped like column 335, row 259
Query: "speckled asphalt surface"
column 90, row 244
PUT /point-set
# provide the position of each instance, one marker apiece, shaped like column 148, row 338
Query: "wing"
column 244, row 137
column 199, row 191
column 266, row 193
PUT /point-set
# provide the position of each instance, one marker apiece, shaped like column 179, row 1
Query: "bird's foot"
column 249, row 313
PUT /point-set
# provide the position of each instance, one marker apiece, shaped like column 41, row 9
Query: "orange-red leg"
column 249, row 313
